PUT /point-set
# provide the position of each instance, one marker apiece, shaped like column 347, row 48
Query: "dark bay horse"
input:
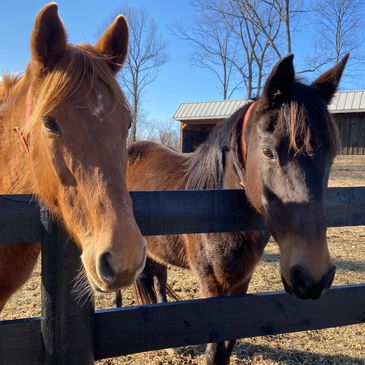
column 279, row 151
column 63, row 131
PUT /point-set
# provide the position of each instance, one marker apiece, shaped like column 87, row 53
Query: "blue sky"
column 178, row 81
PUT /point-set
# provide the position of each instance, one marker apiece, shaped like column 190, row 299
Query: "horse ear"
column 328, row 82
column 48, row 42
column 113, row 44
column 279, row 83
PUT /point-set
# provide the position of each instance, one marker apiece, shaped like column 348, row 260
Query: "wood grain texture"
column 67, row 321
column 21, row 342
column 151, row 327
column 65, row 334
column 172, row 212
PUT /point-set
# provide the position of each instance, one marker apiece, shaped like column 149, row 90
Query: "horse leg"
column 220, row 353
column 215, row 353
column 150, row 287
column 118, row 299
column 230, row 344
column 160, row 282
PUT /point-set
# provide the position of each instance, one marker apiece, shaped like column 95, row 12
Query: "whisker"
column 81, row 289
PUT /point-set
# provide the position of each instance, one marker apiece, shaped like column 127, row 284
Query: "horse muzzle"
column 303, row 285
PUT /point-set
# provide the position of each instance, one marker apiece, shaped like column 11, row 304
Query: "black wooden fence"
column 71, row 333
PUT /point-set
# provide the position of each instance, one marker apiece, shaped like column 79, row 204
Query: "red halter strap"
column 28, row 112
column 244, row 126
column 22, row 139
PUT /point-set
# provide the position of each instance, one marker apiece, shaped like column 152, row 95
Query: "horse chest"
column 232, row 257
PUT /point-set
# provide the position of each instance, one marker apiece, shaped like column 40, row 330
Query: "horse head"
column 76, row 126
column 291, row 141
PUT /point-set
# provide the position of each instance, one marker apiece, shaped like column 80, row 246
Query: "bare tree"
column 339, row 25
column 257, row 25
column 245, row 34
column 164, row 132
column 146, row 54
column 269, row 25
column 168, row 134
column 287, row 11
column 215, row 46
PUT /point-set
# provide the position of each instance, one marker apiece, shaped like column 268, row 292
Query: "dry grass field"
column 342, row 345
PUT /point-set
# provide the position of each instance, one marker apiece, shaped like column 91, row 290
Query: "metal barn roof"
column 342, row 102
column 348, row 102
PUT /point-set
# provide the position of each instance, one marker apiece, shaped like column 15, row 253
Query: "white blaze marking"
column 99, row 108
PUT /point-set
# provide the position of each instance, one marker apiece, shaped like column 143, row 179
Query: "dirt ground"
column 341, row 345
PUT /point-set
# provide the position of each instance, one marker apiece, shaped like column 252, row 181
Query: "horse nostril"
column 105, row 267
column 300, row 280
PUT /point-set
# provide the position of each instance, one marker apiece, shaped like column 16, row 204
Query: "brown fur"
column 286, row 187
column 75, row 119
column 181, row 250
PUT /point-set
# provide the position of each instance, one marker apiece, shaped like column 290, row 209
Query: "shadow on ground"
column 245, row 354
column 246, row 351
column 354, row 266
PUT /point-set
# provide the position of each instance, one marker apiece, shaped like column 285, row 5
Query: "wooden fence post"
column 67, row 326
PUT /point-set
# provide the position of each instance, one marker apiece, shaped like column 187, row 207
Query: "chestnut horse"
column 279, row 151
column 63, row 130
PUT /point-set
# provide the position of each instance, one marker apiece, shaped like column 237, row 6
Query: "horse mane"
column 7, row 84
column 79, row 63
column 298, row 121
column 205, row 167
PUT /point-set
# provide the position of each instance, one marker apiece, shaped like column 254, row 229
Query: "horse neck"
column 232, row 177
column 16, row 177
column 209, row 168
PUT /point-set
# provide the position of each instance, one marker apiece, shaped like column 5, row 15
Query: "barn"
column 197, row 119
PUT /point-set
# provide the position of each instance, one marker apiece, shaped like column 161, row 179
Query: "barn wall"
column 351, row 128
column 193, row 135
column 352, row 132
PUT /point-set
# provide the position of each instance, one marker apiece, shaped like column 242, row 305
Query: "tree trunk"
column 249, row 80
column 287, row 26
column 133, row 132
column 133, row 135
column 225, row 81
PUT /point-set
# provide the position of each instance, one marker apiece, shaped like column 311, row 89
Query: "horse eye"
column 268, row 153
column 50, row 124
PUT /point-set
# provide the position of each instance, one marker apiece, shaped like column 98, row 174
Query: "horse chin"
column 98, row 288
column 94, row 286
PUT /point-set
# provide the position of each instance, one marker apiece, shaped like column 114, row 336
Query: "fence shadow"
column 245, row 351
column 347, row 265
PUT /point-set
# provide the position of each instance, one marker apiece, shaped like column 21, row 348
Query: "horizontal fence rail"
column 190, row 211
column 152, row 327
column 21, row 342
column 200, row 321
column 69, row 333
